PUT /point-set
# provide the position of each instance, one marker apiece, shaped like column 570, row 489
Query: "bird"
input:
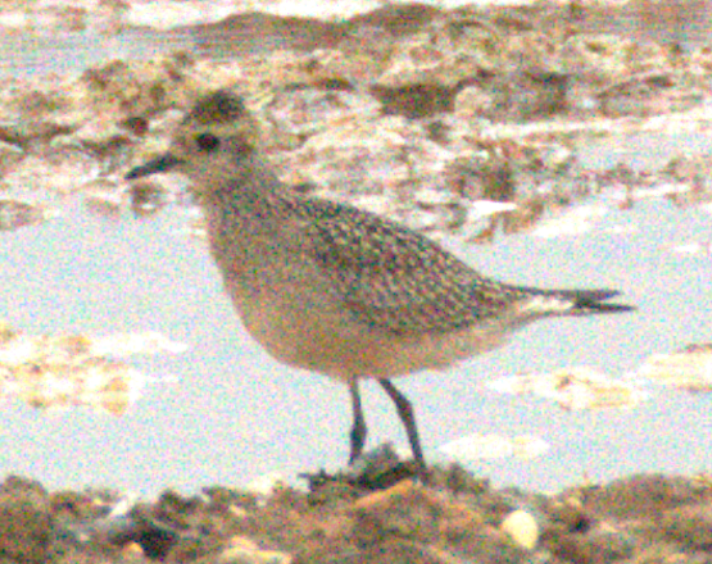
column 337, row 290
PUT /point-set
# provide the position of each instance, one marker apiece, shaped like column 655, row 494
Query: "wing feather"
column 393, row 278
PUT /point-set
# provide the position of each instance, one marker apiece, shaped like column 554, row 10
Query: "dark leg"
column 358, row 430
column 407, row 417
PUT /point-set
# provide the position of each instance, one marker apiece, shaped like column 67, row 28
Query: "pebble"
column 522, row 527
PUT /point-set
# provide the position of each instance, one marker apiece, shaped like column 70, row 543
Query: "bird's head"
column 213, row 143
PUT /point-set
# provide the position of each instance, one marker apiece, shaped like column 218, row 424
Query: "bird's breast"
column 291, row 307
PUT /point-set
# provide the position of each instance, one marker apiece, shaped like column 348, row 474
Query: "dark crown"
column 221, row 106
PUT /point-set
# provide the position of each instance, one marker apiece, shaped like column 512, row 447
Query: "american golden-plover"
column 330, row 288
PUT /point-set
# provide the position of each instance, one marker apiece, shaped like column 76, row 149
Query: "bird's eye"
column 207, row 142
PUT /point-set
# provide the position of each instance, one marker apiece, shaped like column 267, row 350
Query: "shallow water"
column 234, row 414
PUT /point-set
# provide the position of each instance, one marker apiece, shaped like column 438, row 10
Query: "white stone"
column 522, row 527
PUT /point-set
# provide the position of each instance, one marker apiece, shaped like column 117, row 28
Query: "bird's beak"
column 162, row 163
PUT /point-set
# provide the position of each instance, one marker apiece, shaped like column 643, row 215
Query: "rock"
column 26, row 528
column 522, row 527
column 245, row 551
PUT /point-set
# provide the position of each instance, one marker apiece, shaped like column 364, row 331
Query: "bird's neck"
column 246, row 203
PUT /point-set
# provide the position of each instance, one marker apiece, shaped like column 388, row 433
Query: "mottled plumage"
column 334, row 289
column 396, row 279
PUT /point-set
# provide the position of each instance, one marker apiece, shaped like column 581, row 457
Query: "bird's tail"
column 575, row 302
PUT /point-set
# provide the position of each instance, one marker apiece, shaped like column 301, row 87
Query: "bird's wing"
column 393, row 278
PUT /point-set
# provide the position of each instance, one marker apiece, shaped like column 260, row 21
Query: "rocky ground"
column 377, row 514
column 463, row 121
